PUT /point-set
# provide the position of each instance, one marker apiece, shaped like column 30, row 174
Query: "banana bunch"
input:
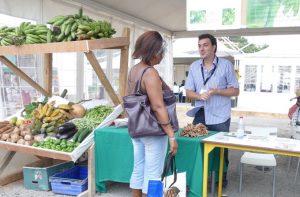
column 46, row 118
column 26, row 33
column 94, row 30
column 79, row 27
column 34, row 34
column 65, row 27
column 6, row 35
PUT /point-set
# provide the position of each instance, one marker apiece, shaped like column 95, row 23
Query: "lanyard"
column 206, row 80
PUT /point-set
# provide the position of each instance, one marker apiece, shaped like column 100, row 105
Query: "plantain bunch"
column 25, row 33
column 46, row 118
column 79, row 27
column 95, row 30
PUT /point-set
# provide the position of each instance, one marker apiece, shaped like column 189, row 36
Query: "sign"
column 236, row 14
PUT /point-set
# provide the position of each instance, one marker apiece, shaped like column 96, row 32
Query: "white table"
column 273, row 145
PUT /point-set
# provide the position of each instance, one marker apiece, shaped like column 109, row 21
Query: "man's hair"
column 148, row 45
column 212, row 39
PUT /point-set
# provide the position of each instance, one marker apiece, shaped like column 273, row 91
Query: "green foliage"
column 228, row 17
column 242, row 42
column 197, row 16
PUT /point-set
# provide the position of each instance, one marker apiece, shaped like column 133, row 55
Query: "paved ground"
column 256, row 183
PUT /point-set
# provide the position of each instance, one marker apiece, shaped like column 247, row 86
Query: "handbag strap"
column 170, row 164
column 138, row 92
column 138, row 84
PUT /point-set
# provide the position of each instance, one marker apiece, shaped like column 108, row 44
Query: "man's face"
column 206, row 49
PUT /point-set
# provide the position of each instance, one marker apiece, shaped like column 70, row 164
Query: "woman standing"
column 150, row 151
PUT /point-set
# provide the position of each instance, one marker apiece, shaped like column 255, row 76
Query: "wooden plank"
column 124, row 65
column 36, row 151
column 108, row 43
column 5, row 161
column 48, row 72
column 21, row 74
column 91, row 171
column 101, row 75
column 61, row 47
column 11, row 178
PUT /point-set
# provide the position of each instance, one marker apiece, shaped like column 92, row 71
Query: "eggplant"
column 66, row 127
column 67, row 135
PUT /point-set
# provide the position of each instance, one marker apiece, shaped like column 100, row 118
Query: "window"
column 297, row 78
column 250, row 78
column 266, row 83
column 284, row 79
column 92, row 85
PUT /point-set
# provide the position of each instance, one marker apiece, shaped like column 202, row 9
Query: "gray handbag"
column 141, row 119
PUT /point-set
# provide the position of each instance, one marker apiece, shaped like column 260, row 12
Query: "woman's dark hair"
column 212, row 39
column 147, row 46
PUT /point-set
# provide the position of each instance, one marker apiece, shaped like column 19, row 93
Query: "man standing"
column 211, row 82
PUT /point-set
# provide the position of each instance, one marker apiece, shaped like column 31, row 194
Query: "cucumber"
column 75, row 137
column 83, row 135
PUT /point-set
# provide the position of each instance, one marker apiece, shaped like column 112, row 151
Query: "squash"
column 77, row 111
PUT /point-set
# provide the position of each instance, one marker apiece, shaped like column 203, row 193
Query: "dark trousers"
column 200, row 118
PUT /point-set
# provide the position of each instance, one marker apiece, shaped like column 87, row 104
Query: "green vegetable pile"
column 93, row 117
column 57, row 144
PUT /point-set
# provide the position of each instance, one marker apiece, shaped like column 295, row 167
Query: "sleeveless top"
column 131, row 82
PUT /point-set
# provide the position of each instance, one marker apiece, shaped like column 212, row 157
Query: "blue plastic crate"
column 70, row 182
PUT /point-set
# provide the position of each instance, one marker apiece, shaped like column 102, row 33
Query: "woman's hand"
column 173, row 146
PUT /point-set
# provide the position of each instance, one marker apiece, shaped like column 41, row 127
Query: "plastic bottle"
column 241, row 127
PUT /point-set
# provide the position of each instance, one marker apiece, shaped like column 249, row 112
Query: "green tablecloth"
column 114, row 158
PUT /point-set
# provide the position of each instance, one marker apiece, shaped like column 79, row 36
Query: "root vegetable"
column 5, row 136
column 28, row 137
column 4, row 129
column 25, row 131
column 14, row 137
column 28, row 143
column 16, row 131
column 21, row 141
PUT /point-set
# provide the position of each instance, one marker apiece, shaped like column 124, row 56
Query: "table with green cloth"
column 114, row 158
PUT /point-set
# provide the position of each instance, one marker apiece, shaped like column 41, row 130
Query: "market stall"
column 114, row 158
column 47, row 50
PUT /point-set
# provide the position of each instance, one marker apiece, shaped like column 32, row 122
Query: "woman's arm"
column 153, row 87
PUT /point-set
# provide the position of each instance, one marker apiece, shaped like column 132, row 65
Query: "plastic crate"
column 70, row 182
column 36, row 175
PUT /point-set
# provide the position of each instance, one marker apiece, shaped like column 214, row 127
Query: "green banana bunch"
column 95, row 30
column 79, row 27
column 25, row 33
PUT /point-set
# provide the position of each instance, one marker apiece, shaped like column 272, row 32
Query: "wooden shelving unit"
column 85, row 46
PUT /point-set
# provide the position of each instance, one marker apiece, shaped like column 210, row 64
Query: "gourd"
column 77, row 111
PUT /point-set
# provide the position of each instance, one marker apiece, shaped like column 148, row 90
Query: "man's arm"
column 225, row 92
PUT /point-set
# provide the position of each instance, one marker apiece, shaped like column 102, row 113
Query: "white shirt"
column 182, row 89
column 176, row 89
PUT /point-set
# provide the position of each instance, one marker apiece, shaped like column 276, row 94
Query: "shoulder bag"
column 141, row 119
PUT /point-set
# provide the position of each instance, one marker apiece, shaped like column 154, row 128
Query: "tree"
column 242, row 44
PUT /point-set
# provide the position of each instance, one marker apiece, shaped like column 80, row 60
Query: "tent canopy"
column 170, row 15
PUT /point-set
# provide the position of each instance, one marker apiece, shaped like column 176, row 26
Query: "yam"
column 5, row 136
column 14, row 137
column 21, row 141
column 25, row 131
column 28, row 143
column 28, row 137
column 16, row 131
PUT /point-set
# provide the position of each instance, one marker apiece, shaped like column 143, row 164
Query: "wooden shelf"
column 36, row 151
column 62, row 47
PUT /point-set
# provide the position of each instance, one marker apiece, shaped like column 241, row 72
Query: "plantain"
column 57, row 117
column 44, row 109
column 64, row 107
column 54, row 112
column 49, row 110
